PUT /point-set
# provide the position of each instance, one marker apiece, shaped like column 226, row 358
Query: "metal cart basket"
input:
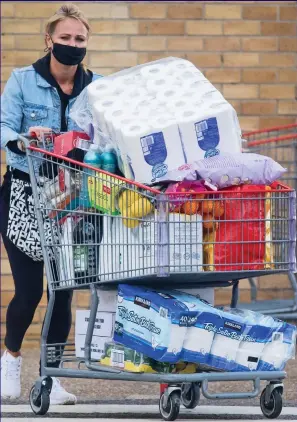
column 279, row 143
column 179, row 252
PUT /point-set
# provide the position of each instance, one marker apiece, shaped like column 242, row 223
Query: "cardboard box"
column 103, row 326
column 97, row 346
column 67, row 141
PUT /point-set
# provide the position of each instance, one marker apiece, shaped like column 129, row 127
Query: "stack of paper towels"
column 161, row 115
column 172, row 326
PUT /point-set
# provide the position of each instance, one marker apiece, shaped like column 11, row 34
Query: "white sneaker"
column 59, row 395
column 10, row 376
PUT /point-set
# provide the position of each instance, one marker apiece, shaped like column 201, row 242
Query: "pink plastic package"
column 187, row 189
column 227, row 170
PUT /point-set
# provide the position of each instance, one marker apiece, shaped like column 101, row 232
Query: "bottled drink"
column 109, row 160
column 93, row 158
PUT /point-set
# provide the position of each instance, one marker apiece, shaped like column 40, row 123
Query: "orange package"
column 242, row 241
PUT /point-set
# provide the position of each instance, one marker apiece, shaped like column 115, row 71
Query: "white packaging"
column 106, row 265
column 101, row 106
column 208, row 132
column 66, row 259
column 179, row 65
column 107, row 300
column 153, row 71
column 100, row 88
column 97, row 346
column 156, row 85
column 103, row 325
column 152, row 151
column 185, row 239
column 204, row 294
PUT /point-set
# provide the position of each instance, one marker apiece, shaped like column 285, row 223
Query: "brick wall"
column 247, row 49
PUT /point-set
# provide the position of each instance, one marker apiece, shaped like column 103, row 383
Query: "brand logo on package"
column 233, row 325
column 133, row 317
column 140, row 301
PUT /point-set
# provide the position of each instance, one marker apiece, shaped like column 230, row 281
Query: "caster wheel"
column 190, row 394
column 273, row 408
column 41, row 405
column 171, row 410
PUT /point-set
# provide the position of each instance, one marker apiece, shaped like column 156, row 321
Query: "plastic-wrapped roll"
column 101, row 107
column 100, row 88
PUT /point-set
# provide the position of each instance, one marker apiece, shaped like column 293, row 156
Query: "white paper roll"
column 179, row 66
column 190, row 75
column 156, row 85
column 168, row 95
column 101, row 107
column 100, row 88
column 153, row 71
column 112, row 115
column 198, row 340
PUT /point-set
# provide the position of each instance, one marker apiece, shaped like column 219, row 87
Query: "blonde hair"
column 66, row 11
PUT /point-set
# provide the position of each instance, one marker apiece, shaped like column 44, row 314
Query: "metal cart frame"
column 179, row 384
column 280, row 143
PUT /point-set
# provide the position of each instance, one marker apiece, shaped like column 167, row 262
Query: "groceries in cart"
column 166, row 330
column 158, row 116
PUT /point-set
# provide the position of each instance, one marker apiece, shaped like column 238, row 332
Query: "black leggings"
column 28, row 281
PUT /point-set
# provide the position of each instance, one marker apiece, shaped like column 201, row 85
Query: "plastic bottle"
column 109, row 160
column 93, row 158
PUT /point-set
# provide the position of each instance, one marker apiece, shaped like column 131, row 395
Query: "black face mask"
column 67, row 54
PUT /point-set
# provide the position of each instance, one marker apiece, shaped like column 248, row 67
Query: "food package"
column 67, row 141
column 174, row 327
column 158, row 117
column 241, row 239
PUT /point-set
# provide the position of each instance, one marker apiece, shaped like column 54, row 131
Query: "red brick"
column 162, row 28
column 259, row 12
column 223, row 75
column 185, row 11
column 277, row 59
column 108, row 43
column 240, row 91
column 241, row 59
column 278, row 28
column 107, row 59
column 185, row 43
column 221, row 44
column 7, row 9
column 222, row 11
column 260, row 44
column 288, row 75
column 266, row 122
column 125, row 27
column 204, row 28
column 258, row 107
column 147, row 43
column 242, row 28
column 248, row 123
column 258, row 75
column 205, row 59
column 148, row 11
column 20, row 26
column 288, row 13
column 288, row 44
column 152, row 56
column 287, row 107
column 277, row 91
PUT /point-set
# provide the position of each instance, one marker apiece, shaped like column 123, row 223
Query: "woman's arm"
column 11, row 110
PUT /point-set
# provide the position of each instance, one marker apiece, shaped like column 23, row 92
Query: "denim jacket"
column 29, row 100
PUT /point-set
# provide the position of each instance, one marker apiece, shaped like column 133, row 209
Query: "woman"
column 37, row 99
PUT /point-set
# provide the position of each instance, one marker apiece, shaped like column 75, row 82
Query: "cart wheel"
column 41, row 405
column 171, row 410
column 190, row 395
column 273, row 408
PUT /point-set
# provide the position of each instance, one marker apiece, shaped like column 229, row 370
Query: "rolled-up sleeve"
column 11, row 110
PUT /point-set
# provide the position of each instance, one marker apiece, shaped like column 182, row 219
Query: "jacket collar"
column 41, row 81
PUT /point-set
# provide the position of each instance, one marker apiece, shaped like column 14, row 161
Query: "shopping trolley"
column 279, row 143
column 168, row 252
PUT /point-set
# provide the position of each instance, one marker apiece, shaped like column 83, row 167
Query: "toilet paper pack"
column 152, row 322
column 154, row 150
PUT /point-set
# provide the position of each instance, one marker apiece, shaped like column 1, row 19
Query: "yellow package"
column 103, row 191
